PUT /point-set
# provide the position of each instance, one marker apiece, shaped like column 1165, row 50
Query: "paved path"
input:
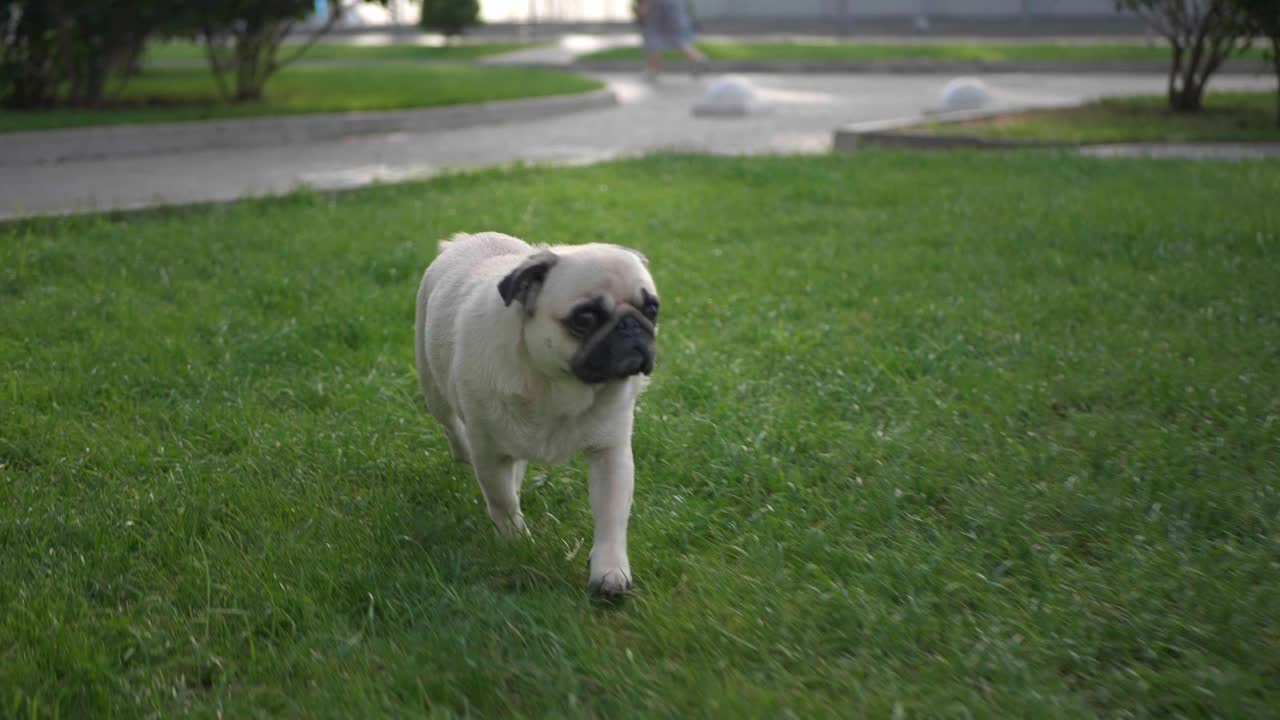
column 562, row 50
column 806, row 109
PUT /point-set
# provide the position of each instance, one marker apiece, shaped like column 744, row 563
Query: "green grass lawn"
column 1226, row 117
column 916, row 445
column 183, row 94
column 189, row 52
column 956, row 52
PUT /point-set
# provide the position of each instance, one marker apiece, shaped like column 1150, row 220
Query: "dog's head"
column 589, row 310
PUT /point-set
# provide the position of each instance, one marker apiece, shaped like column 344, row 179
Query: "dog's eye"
column 650, row 310
column 582, row 321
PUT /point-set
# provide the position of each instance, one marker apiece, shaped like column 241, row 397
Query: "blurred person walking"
column 667, row 26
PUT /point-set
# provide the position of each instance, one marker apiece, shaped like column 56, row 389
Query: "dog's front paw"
column 610, row 573
column 511, row 527
column 610, row 584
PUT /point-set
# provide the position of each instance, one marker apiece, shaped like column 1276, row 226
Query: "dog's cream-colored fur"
column 497, row 377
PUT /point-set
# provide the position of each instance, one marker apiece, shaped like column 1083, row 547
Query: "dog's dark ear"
column 525, row 281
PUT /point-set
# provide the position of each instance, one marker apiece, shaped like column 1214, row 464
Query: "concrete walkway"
column 562, row 50
column 805, row 111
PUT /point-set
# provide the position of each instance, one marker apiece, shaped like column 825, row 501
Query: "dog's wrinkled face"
column 591, row 311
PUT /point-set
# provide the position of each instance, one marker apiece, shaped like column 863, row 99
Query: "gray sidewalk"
column 805, row 111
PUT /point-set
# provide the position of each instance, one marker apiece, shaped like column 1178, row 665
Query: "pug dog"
column 533, row 354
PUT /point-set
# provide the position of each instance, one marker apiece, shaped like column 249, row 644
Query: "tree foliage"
column 66, row 51
column 1263, row 18
column 75, row 52
column 1201, row 33
column 243, row 39
column 106, row 38
column 450, row 17
column 30, row 56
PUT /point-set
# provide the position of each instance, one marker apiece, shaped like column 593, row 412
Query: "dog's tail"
column 454, row 240
column 486, row 243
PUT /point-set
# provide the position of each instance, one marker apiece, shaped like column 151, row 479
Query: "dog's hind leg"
column 454, row 430
column 500, row 480
column 437, row 403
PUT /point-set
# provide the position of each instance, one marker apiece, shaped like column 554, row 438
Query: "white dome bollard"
column 965, row 93
column 729, row 95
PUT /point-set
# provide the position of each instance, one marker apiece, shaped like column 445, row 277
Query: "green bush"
column 450, row 17
column 1202, row 36
column 1263, row 17
column 54, row 53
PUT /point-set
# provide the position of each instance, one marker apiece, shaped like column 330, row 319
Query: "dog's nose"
column 641, row 360
column 631, row 364
column 630, row 349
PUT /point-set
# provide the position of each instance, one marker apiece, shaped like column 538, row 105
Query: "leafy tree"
column 449, row 17
column 30, row 54
column 55, row 51
column 243, row 39
column 104, row 39
column 67, row 51
column 1202, row 34
column 1263, row 18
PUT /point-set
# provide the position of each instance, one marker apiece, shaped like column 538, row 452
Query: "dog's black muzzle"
column 620, row 350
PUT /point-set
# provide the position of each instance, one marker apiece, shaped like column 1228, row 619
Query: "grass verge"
column 1226, row 117
column 917, row 445
column 942, row 52
column 188, row 52
column 186, row 94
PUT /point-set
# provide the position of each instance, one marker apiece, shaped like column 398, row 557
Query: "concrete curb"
column 41, row 147
column 898, row 133
column 910, row 66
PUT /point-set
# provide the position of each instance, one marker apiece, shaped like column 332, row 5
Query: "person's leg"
column 693, row 53
column 652, row 64
column 699, row 60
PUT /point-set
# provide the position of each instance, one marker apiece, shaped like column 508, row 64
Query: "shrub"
column 1263, row 18
column 243, row 39
column 65, row 51
column 1202, row 34
column 450, row 17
